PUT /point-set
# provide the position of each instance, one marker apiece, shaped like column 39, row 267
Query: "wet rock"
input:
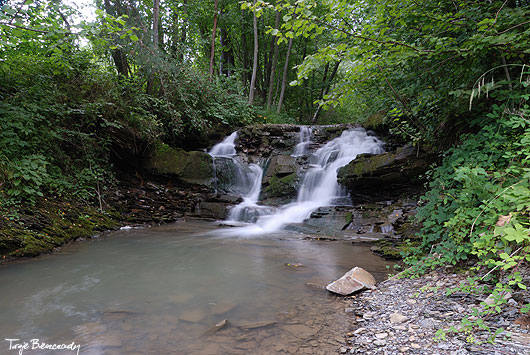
column 190, row 167
column 299, row 330
column 384, row 175
column 279, row 166
column 194, row 316
column 257, row 325
column 281, row 189
column 316, row 284
column 354, row 280
column 214, row 210
column 217, row 327
column 222, row 308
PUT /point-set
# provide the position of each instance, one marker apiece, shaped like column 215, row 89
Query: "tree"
column 284, row 76
column 255, row 60
column 274, row 61
column 212, row 46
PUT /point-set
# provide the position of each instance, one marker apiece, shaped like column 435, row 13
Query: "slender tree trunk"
column 325, row 89
column 119, row 58
column 156, row 18
column 212, row 50
column 244, row 49
column 255, row 61
column 284, row 78
column 274, row 62
column 227, row 56
column 184, row 31
column 222, row 57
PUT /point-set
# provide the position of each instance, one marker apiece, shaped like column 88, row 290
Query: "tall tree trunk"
column 156, row 18
column 227, row 57
column 184, row 31
column 244, row 49
column 325, row 89
column 284, row 78
column 212, row 50
column 119, row 58
column 255, row 61
column 274, row 62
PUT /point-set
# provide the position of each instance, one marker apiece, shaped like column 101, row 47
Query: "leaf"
column 503, row 220
column 134, row 38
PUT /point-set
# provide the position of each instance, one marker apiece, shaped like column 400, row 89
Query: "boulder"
column 280, row 166
column 281, row 189
column 215, row 210
column 384, row 176
column 354, row 280
column 190, row 167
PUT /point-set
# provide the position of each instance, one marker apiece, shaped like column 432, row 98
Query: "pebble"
column 426, row 323
column 397, row 318
column 381, row 335
column 402, row 316
column 379, row 342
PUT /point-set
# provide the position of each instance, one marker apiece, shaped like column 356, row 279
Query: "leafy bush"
column 478, row 206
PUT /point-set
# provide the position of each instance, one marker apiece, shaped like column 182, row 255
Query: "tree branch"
column 31, row 29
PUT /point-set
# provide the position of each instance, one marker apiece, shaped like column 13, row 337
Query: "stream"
column 161, row 290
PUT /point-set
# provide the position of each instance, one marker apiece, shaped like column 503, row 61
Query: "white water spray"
column 304, row 141
column 227, row 148
column 320, row 186
column 248, row 180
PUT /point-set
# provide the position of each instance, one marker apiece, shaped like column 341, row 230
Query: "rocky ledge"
column 402, row 316
column 385, row 176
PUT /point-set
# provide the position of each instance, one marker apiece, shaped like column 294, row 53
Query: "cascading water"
column 227, row 148
column 304, row 142
column 319, row 187
column 247, row 181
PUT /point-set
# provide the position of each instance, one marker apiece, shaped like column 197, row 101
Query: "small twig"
column 491, row 200
column 511, row 28
column 489, row 272
column 497, row 14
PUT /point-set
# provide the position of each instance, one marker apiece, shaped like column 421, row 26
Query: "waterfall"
column 249, row 210
column 319, row 186
column 304, row 141
column 227, row 148
column 247, row 181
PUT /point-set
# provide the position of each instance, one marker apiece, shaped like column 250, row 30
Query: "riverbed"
column 162, row 290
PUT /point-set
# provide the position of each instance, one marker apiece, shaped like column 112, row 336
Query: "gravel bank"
column 401, row 316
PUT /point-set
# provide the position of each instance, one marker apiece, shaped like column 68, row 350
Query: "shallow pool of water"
column 161, row 290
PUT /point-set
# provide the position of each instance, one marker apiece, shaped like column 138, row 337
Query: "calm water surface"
column 161, row 290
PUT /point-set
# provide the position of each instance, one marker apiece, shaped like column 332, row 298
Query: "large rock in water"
column 354, row 280
column 384, row 176
column 190, row 167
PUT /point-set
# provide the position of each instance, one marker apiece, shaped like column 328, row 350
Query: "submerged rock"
column 192, row 316
column 217, row 327
column 354, row 280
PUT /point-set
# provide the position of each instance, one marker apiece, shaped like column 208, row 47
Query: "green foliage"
column 478, row 207
column 62, row 107
column 417, row 62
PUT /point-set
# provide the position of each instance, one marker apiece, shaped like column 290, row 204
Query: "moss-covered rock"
column 190, row 167
column 284, row 188
column 48, row 226
column 384, row 175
